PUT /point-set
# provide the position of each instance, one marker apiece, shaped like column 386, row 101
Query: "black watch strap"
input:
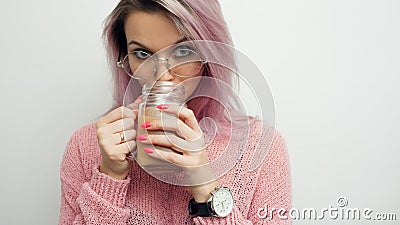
column 199, row 209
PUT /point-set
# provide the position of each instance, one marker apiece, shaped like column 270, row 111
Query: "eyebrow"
column 144, row 46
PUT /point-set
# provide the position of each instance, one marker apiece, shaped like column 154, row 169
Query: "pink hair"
column 197, row 20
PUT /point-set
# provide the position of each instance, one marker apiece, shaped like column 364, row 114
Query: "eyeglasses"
column 183, row 61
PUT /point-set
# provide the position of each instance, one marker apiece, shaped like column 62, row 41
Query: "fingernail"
column 142, row 137
column 148, row 150
column 146, row 125
column 162, row 106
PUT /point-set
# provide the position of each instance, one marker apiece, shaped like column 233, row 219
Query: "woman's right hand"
column 110, row 129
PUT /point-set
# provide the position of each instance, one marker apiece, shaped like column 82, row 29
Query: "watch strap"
column 200, row 209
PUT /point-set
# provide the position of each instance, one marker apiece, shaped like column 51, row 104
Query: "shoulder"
column 85, row 137
column 266, row 144
column 261, row 132
column 82, row 150
column 84, row 132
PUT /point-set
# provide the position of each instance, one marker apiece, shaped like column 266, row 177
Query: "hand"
column 188, row 148
column 110, row 129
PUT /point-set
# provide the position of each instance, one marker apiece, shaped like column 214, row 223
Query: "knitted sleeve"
column 273, row 190
column 98, row 200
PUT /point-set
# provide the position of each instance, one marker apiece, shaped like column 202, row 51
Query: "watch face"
column 222, row 202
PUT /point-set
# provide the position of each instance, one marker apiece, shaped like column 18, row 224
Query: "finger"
column 124, row 136
column 116, row 114
column 165, row 156
column 113, row 140
column 119, row 151
column 125, row 148
column 121, row 125
column 171, row 141
column 172, row 124
column 183, row 113
column 129, row 146
column 128, row 135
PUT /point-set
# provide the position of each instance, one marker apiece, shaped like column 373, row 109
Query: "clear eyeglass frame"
column 124, row 64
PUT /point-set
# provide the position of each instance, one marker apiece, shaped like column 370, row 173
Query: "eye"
column 182, row 51
column 141, row 54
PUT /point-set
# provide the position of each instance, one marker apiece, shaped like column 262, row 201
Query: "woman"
column 100, row 185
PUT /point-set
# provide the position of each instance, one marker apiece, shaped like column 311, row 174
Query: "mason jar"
column 161, row 92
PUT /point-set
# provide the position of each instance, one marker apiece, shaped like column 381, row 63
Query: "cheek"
column 191, row 85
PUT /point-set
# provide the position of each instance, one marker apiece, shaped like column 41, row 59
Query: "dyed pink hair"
column 194, row 19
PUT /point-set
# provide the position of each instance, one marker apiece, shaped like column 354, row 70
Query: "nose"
column 167, row 76
column 162, row 72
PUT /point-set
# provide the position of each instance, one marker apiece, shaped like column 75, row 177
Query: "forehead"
column 153, row 30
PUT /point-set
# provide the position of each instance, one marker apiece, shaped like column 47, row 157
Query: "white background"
column 333, row 67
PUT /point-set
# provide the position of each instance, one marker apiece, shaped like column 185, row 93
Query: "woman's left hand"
column 189, row 146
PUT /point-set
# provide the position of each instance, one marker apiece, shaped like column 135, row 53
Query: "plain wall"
column 333, row 67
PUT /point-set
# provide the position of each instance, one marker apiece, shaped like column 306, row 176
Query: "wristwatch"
column 219, row 205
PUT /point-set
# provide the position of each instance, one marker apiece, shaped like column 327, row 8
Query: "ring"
column 122, row 137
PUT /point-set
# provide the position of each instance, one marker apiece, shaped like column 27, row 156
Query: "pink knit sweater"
column 91, row 197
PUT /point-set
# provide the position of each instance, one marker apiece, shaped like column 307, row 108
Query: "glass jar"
column 162, row 92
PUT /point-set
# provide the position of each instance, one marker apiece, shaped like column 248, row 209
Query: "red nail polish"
column 162, row 106
column 142, row 137
column 148, row 150
column 146, row 125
